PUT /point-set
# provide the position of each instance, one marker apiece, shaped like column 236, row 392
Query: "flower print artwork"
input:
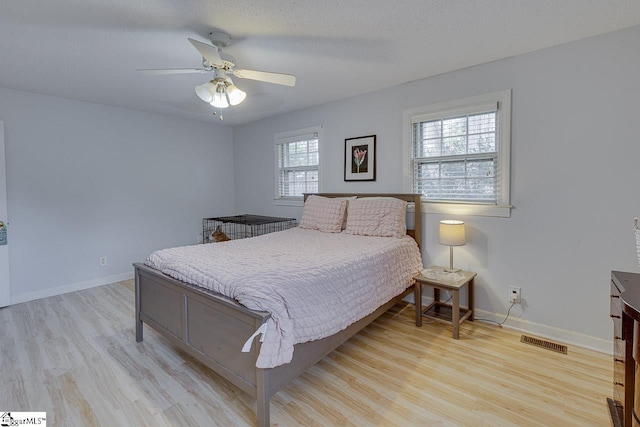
column 359, row 159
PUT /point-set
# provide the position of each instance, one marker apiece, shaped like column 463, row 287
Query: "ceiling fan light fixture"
column 220, row 92
column 206, row 90
column 236, row 96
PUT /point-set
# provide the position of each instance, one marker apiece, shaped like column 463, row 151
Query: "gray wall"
column 574, row 183
column 86, row 181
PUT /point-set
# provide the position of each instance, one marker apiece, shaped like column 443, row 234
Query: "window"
column 297, row 164
column 458, row 155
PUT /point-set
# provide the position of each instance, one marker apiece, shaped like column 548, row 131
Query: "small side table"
column 450, row 314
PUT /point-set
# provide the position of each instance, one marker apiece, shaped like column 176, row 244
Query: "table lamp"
column 452, row 234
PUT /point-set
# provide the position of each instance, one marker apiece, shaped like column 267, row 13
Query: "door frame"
column 5, row 287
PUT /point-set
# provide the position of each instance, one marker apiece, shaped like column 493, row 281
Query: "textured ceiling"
column 89, row 49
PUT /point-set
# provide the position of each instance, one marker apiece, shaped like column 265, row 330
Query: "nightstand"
column 451, row 314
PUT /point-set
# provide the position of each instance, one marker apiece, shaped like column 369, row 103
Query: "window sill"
column 290, row 202
column 465, row 209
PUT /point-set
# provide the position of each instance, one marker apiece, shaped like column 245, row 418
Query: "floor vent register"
column 559, row 348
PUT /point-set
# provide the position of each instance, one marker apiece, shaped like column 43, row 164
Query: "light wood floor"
column 75, row 357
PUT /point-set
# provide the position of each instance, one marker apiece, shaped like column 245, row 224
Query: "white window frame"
column 468, row 105
column 290, row 136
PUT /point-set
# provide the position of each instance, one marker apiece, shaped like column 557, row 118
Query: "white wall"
column 86, row 181
column 574, row 185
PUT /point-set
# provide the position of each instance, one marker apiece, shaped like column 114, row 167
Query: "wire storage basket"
column 242, row 226
column 636, row 230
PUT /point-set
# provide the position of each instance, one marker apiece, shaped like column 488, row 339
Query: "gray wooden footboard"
column 207, row 325
column 213, row 328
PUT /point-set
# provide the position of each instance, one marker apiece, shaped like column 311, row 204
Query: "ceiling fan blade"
column 265, row 76
column 209, row 52
column 174, row 71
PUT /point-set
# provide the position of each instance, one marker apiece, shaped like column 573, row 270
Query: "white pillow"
column 377, row 216
column 323, row 213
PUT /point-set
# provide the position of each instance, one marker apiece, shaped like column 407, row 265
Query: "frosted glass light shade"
column 236, row 96
column 205, row 91
column 220, row 98
column 452, row 233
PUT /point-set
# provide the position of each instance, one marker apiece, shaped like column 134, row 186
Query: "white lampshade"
column 220, row 97
column 236, row 96
column 205, row 91
column 452, row 233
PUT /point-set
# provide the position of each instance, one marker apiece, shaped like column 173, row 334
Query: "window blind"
column 297, row 164
column 455, row 158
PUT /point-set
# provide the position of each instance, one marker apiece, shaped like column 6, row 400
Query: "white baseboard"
column 563, row 336
column 59, row 290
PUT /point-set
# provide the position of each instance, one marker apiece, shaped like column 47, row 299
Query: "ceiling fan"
column 220, row 91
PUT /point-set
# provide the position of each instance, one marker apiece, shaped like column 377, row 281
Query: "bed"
column 185, row 313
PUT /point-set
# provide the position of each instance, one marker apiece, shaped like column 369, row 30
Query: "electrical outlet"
column 514, row 294
column 102, row 261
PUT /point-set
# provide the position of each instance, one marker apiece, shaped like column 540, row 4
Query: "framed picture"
column 360, row 158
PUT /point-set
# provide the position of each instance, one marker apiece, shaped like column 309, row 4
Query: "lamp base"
column 451, row 269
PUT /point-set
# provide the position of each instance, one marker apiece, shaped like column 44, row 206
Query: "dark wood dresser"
column 625, row 313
